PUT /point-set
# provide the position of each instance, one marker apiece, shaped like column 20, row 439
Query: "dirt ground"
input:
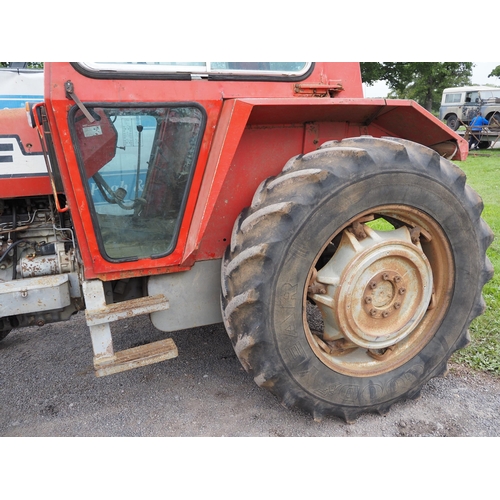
column 48, row 388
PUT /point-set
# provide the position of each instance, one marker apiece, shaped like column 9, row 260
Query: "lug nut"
column 373, row 312
column 373, row 285
column 385, row 314
column 397, row 279
column 402, row 291
column 397, row 305
column 368, row 300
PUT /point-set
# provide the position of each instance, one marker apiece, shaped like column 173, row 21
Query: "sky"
column 480, row 73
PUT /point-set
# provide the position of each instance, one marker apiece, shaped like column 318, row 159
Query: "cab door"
column 132, row 153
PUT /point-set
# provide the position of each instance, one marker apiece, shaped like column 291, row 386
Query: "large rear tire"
column 339, row 318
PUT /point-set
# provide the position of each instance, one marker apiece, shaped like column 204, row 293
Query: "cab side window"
column 137, row 163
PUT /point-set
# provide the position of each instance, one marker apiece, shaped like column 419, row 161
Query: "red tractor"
column 330, row 233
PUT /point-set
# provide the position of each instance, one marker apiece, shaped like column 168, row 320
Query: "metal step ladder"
column 99, row 315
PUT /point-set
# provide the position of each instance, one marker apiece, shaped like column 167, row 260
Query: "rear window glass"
column 275, row 69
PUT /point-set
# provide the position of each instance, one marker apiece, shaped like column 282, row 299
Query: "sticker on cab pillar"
column 92, row 131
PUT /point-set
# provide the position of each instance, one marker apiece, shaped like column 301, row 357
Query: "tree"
column 421, row 81
column 26, row 65
column 495, row 72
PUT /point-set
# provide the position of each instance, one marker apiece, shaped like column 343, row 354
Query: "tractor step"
column 135, row 357
column 127, row 309
column 99, row 315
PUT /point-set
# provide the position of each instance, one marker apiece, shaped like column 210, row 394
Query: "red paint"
column 252, row 129
column 26, row 148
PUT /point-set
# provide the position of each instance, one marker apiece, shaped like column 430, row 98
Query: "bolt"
column 373, row 312
column 397, row 279
column 385, row 314
column 368, row 300
column 402, row 291
column 397, row 305
column 385, row 276
column 373, row 285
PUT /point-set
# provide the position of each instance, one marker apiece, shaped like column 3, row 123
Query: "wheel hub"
column 384, row 294
column 378, row 288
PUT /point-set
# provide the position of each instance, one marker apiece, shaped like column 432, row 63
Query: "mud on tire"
column 395, row 301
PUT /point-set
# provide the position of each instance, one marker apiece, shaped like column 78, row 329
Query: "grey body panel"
column 194, row 297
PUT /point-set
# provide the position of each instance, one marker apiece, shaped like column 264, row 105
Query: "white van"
column 460, row 105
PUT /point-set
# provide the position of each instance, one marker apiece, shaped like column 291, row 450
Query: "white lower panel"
column 193, row 296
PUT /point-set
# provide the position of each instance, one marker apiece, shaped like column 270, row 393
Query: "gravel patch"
column 48, row 388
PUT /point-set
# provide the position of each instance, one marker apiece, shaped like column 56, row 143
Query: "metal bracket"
column 319, row 89
column 70, row 91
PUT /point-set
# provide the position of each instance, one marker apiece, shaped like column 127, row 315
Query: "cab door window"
column 137, row 165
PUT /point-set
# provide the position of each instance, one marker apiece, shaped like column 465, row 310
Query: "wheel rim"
column 382, row 294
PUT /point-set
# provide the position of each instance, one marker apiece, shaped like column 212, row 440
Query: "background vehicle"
column 21, row 157
column 346, row 250
column 18, row 85
column 460, row 105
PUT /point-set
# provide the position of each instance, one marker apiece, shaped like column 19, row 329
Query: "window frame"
column 86, row 187
column 453, row 95
column 150, row 71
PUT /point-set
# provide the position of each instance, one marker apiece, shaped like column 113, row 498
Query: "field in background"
column 483, row 175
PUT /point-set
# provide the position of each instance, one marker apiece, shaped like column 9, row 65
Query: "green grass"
column 483, row 175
